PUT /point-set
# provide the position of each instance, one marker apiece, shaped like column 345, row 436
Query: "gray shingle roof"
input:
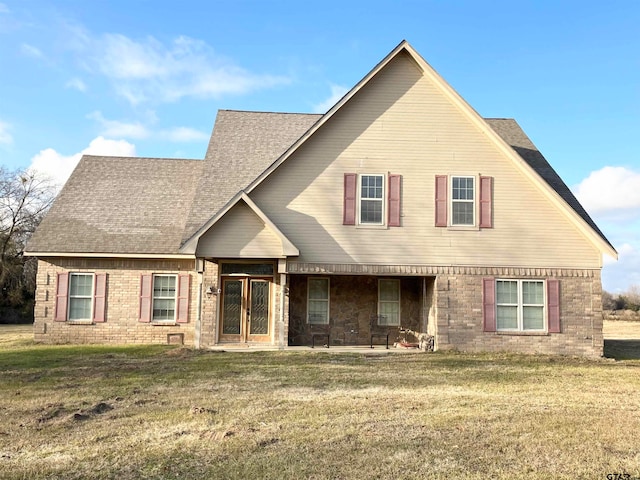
column 120, row 205
column 510, row 132
column 242, row 146
column 149, row 205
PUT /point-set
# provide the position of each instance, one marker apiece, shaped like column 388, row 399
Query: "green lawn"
column 167, row 412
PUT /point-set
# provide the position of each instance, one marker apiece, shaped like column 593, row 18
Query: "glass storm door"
column 245, row 310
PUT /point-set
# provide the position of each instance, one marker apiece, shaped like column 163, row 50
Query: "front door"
column 245, row 310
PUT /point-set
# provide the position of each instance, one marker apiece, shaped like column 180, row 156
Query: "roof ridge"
column 268, row 112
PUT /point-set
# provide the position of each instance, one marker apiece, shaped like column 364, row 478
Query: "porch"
column 358, row 311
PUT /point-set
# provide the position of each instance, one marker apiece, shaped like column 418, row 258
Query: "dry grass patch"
column 161, row 412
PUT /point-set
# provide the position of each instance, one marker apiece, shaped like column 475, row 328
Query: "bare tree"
column 25, row 196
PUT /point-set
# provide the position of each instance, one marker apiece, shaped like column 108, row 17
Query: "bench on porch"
column 378, row 330
column 320, row 331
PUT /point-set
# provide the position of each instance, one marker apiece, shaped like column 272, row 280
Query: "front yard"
column 167, row 412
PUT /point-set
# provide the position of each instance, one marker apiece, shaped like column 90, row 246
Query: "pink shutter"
column 146, row 291
column 489, row 304
column 395, row 185
column 441, row 200
column 486, row 205
column 62, row 297
column 350, row 188
column 553, row 305
column 100, row 297
column 184, row 282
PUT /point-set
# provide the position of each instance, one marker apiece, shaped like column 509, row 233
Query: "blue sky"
column 146, row 77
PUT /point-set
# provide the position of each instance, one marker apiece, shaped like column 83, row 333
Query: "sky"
column 146, row 78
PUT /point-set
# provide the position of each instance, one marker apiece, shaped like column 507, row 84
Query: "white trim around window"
column 389, row 302
column 462, row 204
column 318, row 300
column 371, row 199
column 81, row 293
column 163, row 298
column 521, row 305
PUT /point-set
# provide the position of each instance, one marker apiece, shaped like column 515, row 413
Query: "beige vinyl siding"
column 240, row 234
column 402, row 123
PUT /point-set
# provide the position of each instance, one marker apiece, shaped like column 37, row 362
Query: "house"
column 400, row 207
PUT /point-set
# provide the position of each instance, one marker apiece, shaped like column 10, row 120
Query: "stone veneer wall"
column 460, row 322
column 122, row 304
column 353, row 300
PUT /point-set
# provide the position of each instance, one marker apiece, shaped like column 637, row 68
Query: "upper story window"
column 371, row 199
column 464, row 201
column 463, row 205
column 80, row 296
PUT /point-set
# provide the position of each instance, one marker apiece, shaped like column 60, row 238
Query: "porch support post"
column 283, row 295
column 198, row 325
column 282, row 268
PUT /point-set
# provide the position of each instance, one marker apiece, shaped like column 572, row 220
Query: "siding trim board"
column 433, row 270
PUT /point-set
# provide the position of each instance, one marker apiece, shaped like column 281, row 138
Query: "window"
column 371, row 199
column 318, row 301
column 520, row 305
column 80, row 296
column 164, row 298
column 460, row 203
column 463, row 201
column 389, row 302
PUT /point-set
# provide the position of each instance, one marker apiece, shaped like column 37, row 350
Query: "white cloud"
column 611, row 192
column 76, row 84
column 150, row 71
column 115, row 128
column 184, row 134
column 5, row 136
column 621, row 275
column 58, row 167
column 337, row 92
column 30, row 51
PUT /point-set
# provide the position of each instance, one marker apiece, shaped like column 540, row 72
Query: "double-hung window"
column 318, row 301
column 463, row 201
column 80, row 296
column 371, row 199
column 164, row 298
column 389, row 302
column 520, row 305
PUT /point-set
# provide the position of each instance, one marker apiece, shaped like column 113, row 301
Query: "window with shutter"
column 459, row 203
column 372, row 199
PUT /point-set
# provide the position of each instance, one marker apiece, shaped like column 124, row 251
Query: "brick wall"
column 460, row 319
column 122, row 304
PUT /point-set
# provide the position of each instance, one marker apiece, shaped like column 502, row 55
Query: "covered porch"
column 359, row 310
